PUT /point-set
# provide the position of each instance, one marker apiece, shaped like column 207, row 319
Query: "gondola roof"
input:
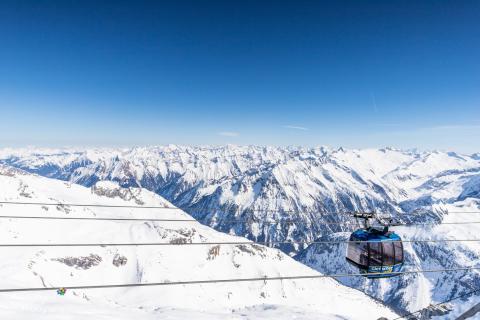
column 373, row 235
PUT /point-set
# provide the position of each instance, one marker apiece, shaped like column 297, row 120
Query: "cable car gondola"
column 375, row 250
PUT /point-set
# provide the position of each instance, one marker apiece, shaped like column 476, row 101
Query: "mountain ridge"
column 312, row 186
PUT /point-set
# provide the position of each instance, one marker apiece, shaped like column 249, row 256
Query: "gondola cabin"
column 376, row 251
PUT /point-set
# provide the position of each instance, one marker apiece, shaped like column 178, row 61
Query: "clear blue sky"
column 339, row 73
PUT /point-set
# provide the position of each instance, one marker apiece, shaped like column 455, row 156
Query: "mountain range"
column 53, row 267
column 294, row 194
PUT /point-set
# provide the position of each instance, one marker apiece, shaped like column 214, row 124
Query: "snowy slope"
column 311, row 186
column 37, row 267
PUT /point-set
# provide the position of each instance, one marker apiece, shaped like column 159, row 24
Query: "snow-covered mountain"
column 411, row 292
column 218, row 185
column 321, row 298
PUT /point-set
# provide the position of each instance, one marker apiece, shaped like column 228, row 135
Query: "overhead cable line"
column 286, row 221
column 266, row 278
column 439, row 304
column 86, row 205
column 178, row 243
column 175, row 208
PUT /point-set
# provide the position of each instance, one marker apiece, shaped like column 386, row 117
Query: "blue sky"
column 340, row 73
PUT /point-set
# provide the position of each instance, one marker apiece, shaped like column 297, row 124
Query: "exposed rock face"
column 213, row 252
column 119, row 260
column 10, row 171
column 113, row 190
column 81, row 262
